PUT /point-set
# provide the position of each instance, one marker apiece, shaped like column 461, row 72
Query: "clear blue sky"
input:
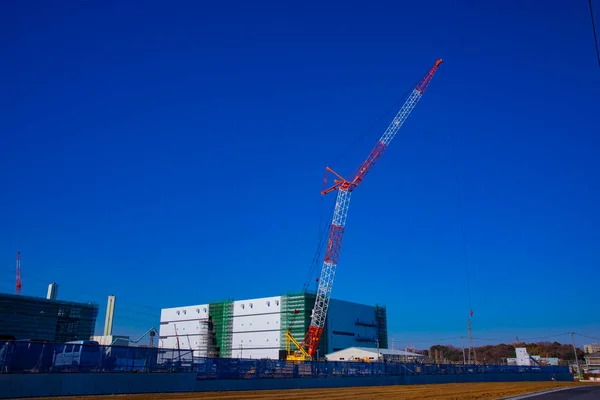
column 172, row 154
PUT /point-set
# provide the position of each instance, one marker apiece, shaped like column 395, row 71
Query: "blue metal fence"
column 256, row 369
column 32, row 357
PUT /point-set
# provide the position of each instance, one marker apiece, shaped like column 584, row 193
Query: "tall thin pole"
column 471, row 347
column 462, row 342
column 575, row 352
column 19, row 283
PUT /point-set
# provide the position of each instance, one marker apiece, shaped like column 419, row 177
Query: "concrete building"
column 256, row 328
column 591, row 348
column 592, row 360
column 525, row 359
column 375, row 355
column 37, row 318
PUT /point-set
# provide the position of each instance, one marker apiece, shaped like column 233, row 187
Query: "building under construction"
column 256, row 328
column 36, row 318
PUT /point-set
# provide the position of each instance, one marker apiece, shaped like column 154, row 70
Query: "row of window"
column 268, row 303
column 76, row 348
column 250, row 341
column 243, row 306
column 197, row 311
column 277, row 322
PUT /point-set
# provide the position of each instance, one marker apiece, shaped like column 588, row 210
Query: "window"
column 90, row 349
column 341, row 358
column 250, row 305
column 204, row 309
column 69, row 348
column 268, row 303
column 197, row 310
column 76, row 348
column 276, row 302
column 243, row 306
column 177, row 312
column 184, row 312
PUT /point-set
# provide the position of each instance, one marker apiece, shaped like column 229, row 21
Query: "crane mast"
column 338, row 223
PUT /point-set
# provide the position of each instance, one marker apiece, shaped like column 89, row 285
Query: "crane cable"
column 324, row 229
column 462, row 229
column 464, row 242
column 321, row 239
column 369, row 128
column 594, row 30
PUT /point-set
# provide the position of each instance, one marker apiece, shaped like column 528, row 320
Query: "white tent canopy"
column 361, row 353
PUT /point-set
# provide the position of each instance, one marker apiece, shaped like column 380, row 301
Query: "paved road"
column 580, row 393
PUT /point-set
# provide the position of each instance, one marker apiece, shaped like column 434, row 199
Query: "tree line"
column 497, row 354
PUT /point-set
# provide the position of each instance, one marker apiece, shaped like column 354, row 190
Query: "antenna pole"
column 19, row 283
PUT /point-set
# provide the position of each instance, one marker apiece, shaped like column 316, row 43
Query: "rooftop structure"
column 52, row 291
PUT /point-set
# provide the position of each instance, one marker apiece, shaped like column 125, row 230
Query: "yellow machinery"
column 300, row 354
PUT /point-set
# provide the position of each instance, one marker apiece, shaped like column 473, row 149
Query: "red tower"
column 19, row 284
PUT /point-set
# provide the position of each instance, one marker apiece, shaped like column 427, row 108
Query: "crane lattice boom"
column 338, row 223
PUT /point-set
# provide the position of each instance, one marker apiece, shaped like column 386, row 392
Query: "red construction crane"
column 336, row 232
column 19, row 284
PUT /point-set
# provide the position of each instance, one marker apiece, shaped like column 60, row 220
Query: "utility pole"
column 462, row 342
column 471, row 347
column 575, row 352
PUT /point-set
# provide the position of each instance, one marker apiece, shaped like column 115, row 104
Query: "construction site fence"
column 32, row 357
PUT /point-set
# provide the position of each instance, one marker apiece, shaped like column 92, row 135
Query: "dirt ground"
column 456, row 391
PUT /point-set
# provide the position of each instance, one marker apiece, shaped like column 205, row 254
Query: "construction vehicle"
column 299, row 354
column 308, row 348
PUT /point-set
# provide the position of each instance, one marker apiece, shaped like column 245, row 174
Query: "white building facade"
column 186, row 328
column 256, row 328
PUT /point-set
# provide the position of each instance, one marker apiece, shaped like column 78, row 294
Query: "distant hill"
column 495, row 354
